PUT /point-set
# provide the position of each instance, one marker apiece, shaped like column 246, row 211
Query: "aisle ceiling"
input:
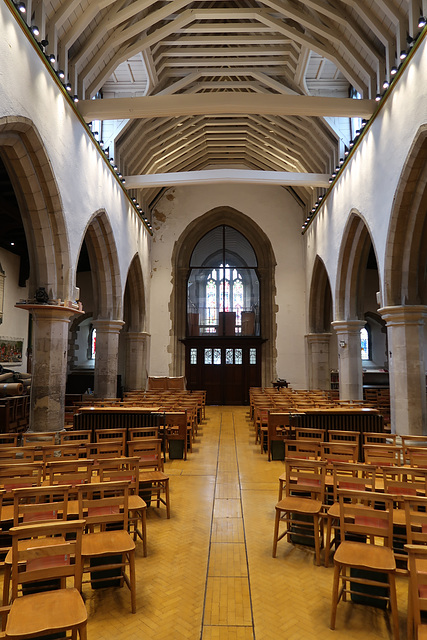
column 130, row 48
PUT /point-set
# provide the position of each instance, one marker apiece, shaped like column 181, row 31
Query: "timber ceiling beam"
column 224, row 103
column 234, row 176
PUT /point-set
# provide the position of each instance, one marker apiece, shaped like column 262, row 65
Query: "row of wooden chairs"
column 368, row 504
column 49, row 547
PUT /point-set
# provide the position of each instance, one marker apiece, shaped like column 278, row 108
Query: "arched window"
column 92, row 343
column 223, row 286
column 365, row 343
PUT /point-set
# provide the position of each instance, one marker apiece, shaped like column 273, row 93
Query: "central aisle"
column 209, row 574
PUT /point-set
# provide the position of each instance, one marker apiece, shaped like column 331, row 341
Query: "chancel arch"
column 265, row 263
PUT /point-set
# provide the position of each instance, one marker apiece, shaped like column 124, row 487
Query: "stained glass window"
column 229, row 356
column 193, row 356
column 208, row 356
column 364, row 343
column 217, row 356
column 93, row 343
column 237, row 356
column 252, row 356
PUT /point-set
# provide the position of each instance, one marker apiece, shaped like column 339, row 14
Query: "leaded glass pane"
column 237, row 356
column 229, row 356
column 217, row 356
column 252, row 356
column 193, row 356
column 208, row 356
column 364, row 343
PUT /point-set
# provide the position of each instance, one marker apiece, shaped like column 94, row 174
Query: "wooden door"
column 226, row 369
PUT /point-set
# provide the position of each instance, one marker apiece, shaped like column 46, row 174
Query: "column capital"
column 348, row 326
column 137, row 335
column 318, row 337
column 108, row 326
column 404, row 314
column 50, row 311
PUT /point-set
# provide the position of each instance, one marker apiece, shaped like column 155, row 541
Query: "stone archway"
column 134, row 339
column 319, row 336
column 405, row 304
column 107, row 302
column 266, row 264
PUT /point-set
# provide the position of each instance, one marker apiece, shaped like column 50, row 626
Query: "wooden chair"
column 175, row 429
column 81, row 436
column 68, row 451
column 38, row 438
column 416, row 456
column 382, row 455
column 359, row 517
column 306, row 477
column 303, row 449
column 339, row 435
column 401, row 482
column 417, row 592
column 374, row 437
column 278, row 430
column 127, row 469
column 16, row 455
column 104, row 505
column 339, row 451
column 13, row 477
column 345, row 475
column 40, row 553
column 105, row 449
column 154, row 483
column 9, row 439
column 136, row 433
column 111, row 435
column 308, row 433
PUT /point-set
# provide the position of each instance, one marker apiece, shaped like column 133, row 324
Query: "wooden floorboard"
column 209, row 574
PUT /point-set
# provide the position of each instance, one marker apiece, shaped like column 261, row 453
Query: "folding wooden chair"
column 305, row 491
column 104, row 505
column 359, row 518
column 40, row 553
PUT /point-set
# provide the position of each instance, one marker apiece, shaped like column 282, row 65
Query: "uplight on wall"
column 2, row 279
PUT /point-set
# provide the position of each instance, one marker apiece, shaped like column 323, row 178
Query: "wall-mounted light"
column 386, row 84
column 51, row 58
column 343, row 344
column 21, row 7
column 393, row 71
column 2, row 279
column 422, row 22
column 403, row 54
column 35, row 30
column 75, row 98
column 68, row 86
column 61, row 74
column 378, row 97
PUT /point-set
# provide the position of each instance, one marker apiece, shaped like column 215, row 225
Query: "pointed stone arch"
column 104, row 262
column 406, row 251
column 37, row 193
column 320, row 302
column 353, row 256
column 134, row 311
column 266, row 264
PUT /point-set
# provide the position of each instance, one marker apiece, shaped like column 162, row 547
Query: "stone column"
column 405, row 332
column 106, row 358
column 349, row 358
column 318, row 360
column 136, row 367
column 49, row 365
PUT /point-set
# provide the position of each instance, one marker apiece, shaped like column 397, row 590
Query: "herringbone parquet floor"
column 209, row 574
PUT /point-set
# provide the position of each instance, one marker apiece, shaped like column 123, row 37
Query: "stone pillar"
column 405, row 333
column 318, row 360
column 136, row 366
column 49, row 365
column 106, row 358
column 349, row 358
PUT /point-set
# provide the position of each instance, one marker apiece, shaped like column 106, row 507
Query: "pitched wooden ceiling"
column 130, row 48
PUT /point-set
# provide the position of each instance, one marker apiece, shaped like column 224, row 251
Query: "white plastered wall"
column 369, row 182
column 15, row 323
column 279, row 216
column 84, row 180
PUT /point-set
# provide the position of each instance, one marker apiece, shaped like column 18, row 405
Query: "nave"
column 209, row 573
